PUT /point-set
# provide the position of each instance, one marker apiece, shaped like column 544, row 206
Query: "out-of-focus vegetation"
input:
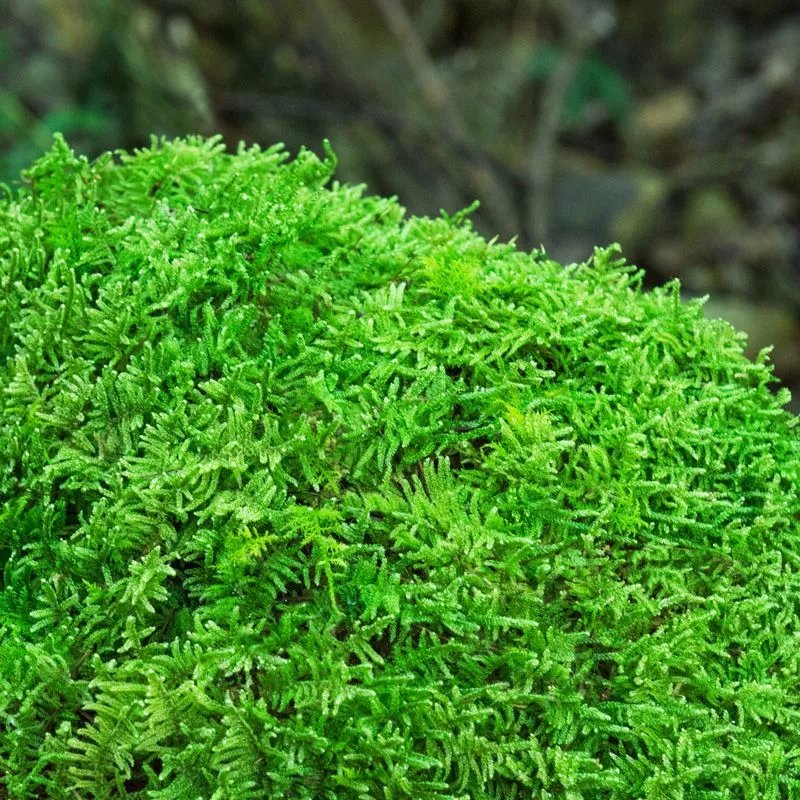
column 671, row 127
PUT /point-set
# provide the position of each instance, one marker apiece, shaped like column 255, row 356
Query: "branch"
column 584, row 27
column 452, row 125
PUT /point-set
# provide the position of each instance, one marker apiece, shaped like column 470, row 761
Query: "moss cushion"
column 303, row 498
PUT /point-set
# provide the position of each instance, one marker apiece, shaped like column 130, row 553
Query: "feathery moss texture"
column 302, row 498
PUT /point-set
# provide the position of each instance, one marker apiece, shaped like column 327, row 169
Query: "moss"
column 304, row 498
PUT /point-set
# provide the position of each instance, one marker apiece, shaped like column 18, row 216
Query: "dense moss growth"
column 300, row 498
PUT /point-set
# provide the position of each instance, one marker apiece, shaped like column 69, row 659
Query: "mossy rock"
column 303, row 498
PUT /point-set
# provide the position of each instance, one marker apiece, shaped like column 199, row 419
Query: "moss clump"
column 300, row 498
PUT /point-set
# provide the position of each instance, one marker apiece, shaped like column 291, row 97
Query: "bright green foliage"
column 303, row 499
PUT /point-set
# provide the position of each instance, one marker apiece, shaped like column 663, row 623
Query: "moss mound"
column 300, row 498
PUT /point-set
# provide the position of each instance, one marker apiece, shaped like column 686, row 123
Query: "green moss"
column 302, row 498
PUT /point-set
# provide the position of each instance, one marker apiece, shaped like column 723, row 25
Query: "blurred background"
column 672, row 127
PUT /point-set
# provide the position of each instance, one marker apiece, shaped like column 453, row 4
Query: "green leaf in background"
column 593, row 80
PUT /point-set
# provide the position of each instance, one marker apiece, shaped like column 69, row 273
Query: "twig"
column 544, row 143
column 584, row 27
column 434, row 89
column 438, row 97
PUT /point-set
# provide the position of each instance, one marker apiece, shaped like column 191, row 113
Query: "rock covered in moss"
column 302, row 498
